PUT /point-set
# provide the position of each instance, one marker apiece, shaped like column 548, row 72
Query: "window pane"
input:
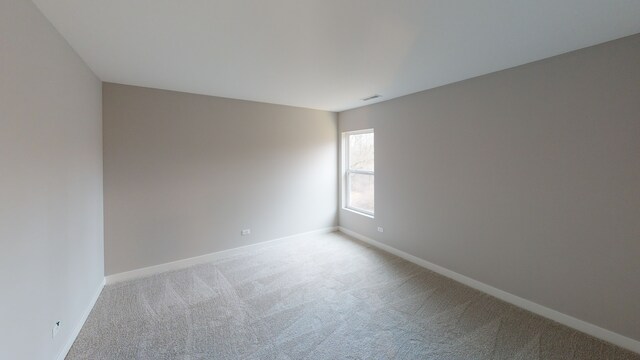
column 361, row 152
column 361, row 192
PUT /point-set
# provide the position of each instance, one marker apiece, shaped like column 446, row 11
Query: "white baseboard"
column 583, row 326
column 181, row 264
column 80, row 324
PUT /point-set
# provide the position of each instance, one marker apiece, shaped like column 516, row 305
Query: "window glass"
column 361, row 152
column 358, row 165
column 361, row 194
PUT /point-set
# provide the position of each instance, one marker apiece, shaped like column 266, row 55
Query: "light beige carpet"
column 320, row 297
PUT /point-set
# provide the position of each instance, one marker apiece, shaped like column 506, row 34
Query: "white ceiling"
column 325, row 54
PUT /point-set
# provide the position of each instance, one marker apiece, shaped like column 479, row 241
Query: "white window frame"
column 346, row 171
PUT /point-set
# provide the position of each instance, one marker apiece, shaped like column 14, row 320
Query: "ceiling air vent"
column 371, row 97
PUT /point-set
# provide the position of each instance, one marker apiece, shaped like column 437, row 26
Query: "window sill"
column 358, row 212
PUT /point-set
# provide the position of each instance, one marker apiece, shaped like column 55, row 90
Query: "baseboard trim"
column 181, row 264
column 76, row 330
column 577, row 324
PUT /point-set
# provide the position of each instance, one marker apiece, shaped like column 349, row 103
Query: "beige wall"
column 185, row 173
column 51, row 242
column 527, row 180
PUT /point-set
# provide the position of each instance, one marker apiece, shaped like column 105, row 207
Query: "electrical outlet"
column 245, row 232
column 56, row 328
column 380, row 229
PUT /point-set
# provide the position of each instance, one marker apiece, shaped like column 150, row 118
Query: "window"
column 358, row 169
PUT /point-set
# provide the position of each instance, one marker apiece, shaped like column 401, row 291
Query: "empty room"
column 320, row 179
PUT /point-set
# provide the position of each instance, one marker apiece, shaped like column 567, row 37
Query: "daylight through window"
column 358, row 150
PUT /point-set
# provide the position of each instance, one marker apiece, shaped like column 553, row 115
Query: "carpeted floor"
column 319, row 297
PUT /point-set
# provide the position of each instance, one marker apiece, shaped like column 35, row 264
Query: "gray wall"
column 185, row 173
column 527, row 180
column 51, row 234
